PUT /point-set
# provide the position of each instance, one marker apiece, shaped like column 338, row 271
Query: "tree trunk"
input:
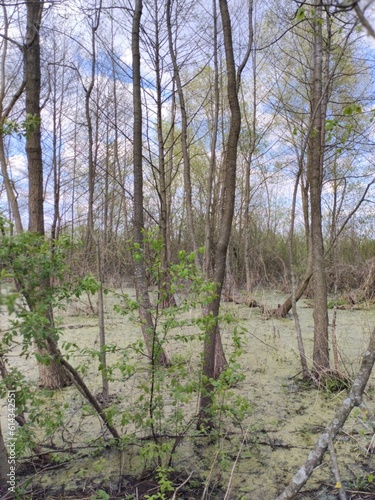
column 315, row 177
column 33, row 139
column 184, row 138
column 93, row 242
column 4, row 113
column 148, row 328
column 210, row 359
column 301, row 348
column 52, row 375
column 209, row 220
column 10, row 189
column 166, row 295
column 252, row 128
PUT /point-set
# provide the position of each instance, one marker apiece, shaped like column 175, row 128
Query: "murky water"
column 254, row 459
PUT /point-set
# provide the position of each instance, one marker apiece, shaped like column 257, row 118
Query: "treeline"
column 347, row 266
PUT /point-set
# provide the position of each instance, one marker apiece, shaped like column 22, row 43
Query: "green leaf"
column 300, row 14
column 352, row 109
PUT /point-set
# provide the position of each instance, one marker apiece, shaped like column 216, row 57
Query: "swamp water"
column 252, row 460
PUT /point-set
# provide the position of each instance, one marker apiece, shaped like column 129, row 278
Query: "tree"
column 184, row 131
column 162, row 172
column 52, row 375
column 212, row 335
column 5, row 111
column 155, row 350
column 315, row 157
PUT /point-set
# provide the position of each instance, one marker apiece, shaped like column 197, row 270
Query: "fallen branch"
column 354, row 399
column 77, row 327
column 80, row 384
column 249, row 302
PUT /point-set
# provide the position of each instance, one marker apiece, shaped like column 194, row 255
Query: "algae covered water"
column 251, row 459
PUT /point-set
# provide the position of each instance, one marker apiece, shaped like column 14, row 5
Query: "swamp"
column 260, row 439
column 187, row 251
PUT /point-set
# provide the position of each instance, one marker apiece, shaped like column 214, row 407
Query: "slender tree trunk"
column 9, row 187
column 184, row 138
column 93, row 240
column 152, row 344
column 315, row 177
column 210, row 358
column 56, row 148
column 167, row 297
column 252, row 128
column 301, row 348
column 210, row 205
column 52, row 375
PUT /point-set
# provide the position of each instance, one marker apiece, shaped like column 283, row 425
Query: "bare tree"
column 4, row 114
column 93, row 240
column 155, row 350
column 184, row 132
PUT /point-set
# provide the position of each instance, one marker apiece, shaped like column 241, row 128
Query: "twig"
column 180, row 486
column 265, row 343
column 336, row 472
column 226, row 497
column 204, row 494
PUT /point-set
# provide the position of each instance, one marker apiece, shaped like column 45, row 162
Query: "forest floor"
column 252, row 460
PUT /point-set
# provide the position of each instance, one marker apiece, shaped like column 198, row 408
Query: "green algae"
column 254, row 460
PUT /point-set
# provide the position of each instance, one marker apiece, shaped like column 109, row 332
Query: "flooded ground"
column 251, row 460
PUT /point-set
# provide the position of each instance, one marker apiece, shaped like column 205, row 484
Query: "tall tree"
column 52, row 375
column 93, row 242
column 162, row 172
column 4, row 114
column 155, row 350
column 315, row 177
column 184, row 131
column 212, row 336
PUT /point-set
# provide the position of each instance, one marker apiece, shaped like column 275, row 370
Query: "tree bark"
column 33, row 138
